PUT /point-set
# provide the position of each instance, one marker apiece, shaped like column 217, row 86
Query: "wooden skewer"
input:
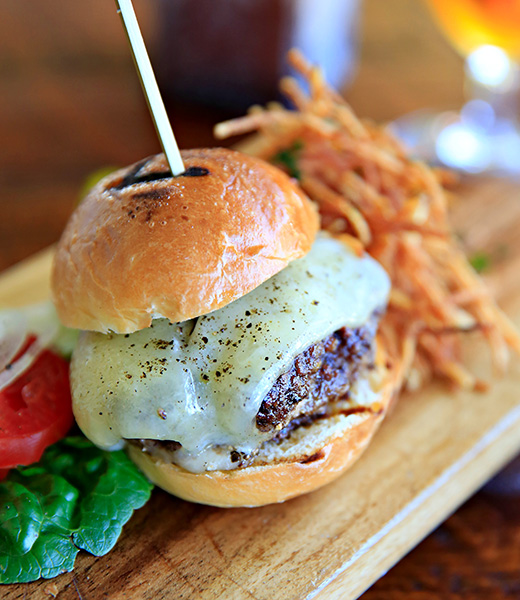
column 150, row 88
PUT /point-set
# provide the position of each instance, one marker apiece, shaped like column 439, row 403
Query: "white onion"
column 45, row 337
column 13, row 332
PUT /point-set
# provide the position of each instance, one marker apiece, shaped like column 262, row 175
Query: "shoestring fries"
column 378, row 199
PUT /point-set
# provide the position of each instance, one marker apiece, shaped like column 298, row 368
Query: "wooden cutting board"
column 433, row 452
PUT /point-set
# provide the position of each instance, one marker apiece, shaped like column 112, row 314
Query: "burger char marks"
column 145, row 201
column 145, row 204
column 322, row 373
column 133, row 176
column 194, row 172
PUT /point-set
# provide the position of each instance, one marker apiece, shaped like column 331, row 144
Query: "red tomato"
column 35, row 410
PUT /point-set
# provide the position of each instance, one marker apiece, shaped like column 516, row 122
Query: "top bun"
column 143, row 244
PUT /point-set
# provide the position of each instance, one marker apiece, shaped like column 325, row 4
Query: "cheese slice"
column 201, row 382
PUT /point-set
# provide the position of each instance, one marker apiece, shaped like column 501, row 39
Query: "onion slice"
column 45, row 337
column 13, row 333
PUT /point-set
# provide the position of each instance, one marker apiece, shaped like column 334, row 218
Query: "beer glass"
column 484, row 134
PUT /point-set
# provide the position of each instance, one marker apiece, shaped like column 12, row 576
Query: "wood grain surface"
column 70, row 103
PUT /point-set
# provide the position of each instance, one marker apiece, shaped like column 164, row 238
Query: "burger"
column 227, row 343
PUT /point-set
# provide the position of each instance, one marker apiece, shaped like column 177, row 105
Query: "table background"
column 70, row 103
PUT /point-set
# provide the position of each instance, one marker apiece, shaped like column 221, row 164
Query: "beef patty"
column 323, row 373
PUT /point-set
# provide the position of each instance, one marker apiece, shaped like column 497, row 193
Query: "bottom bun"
column 311, row 457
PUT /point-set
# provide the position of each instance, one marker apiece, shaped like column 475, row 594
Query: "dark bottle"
column 231, row 53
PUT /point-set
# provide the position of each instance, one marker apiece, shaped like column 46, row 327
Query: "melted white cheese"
column 201, row 382
column 364, row 392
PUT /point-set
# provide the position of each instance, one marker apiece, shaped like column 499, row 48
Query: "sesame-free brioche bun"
column 311, row 457
column 143, row 244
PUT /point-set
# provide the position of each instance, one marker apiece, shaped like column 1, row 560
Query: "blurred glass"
column 231, row 53
column 485, row 134
column 470, row 24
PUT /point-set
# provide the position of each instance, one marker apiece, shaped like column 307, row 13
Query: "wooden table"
column 70, row 103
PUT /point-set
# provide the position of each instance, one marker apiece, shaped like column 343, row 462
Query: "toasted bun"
column 310, row 458
column 140, row 247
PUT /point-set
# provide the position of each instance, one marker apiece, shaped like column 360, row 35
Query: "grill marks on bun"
column 134, row 178
column 147, row 201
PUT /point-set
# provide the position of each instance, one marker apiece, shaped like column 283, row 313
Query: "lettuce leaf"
column 76, row 497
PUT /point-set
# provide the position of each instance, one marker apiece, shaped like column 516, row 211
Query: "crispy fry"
column 290, row 88
column 333, row 202
column 381, row 201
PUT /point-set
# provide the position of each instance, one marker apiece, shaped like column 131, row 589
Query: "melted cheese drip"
column 201, row 382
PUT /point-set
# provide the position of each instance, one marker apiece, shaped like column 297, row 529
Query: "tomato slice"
column 35, row 410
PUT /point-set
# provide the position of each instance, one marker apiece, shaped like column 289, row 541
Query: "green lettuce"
column 76, row 497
